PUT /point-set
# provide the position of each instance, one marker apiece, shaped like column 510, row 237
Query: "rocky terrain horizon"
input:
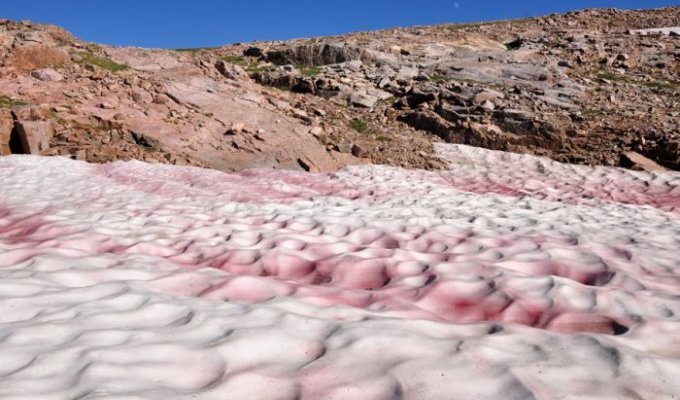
column 592, row 87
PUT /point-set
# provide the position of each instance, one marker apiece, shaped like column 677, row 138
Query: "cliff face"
column 595, row 87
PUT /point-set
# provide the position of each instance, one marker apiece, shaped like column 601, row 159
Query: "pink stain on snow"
column 389, row 272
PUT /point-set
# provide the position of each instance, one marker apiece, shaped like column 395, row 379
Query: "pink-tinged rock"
column 637, row 161
column 6, row 126
column 34, row 135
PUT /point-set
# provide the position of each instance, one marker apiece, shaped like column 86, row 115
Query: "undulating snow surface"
column 508, row 277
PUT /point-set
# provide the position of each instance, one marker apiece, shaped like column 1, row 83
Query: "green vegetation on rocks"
column 6, row 102
column 101, row 62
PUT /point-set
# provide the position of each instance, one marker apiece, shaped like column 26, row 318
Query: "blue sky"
column 198, row 23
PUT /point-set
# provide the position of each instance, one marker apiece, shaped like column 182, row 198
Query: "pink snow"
column 507, row 276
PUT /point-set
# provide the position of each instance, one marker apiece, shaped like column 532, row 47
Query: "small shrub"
column 37, row 56
column 101, row 62
column 359, row 125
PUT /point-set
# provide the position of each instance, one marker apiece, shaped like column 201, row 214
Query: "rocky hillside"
column 598, row 87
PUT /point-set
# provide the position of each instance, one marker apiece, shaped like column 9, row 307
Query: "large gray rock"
column 231, row 71
column 47, row 75
column 363, row 100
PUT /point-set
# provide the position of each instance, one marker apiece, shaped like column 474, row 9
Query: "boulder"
column 638, row 162
column 140, row 96
column 34, row 136
column 369, row 56
column 407, row 73
column 486, row 95
column 363, row 100
column 304, row 85
column 47, row 75
column 231, row 71
column 429, row 121
column 6, row 127
column 360, row 150
column 418, row 96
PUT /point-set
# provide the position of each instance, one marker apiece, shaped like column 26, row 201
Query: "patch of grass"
column 465, row 80
column 669, row 85
column 238, row 60
column 359, row 125
column 101, row 62
column 6, row 102
column 603, row 75
column 457, row 27
column 194, row 50
column 590, row 113
column 309, row 71
column 610, row 76
column 383, row 138
column 440, row 78
column 55, row 116
column 253, row 68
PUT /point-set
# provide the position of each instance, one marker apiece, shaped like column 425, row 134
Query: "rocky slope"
column 596, row 87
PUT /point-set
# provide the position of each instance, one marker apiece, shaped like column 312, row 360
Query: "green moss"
column 309, row 71
column 359, row 125
column 101, row 62
column 6, row 102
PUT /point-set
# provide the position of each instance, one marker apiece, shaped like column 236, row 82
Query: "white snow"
column 507, row 277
